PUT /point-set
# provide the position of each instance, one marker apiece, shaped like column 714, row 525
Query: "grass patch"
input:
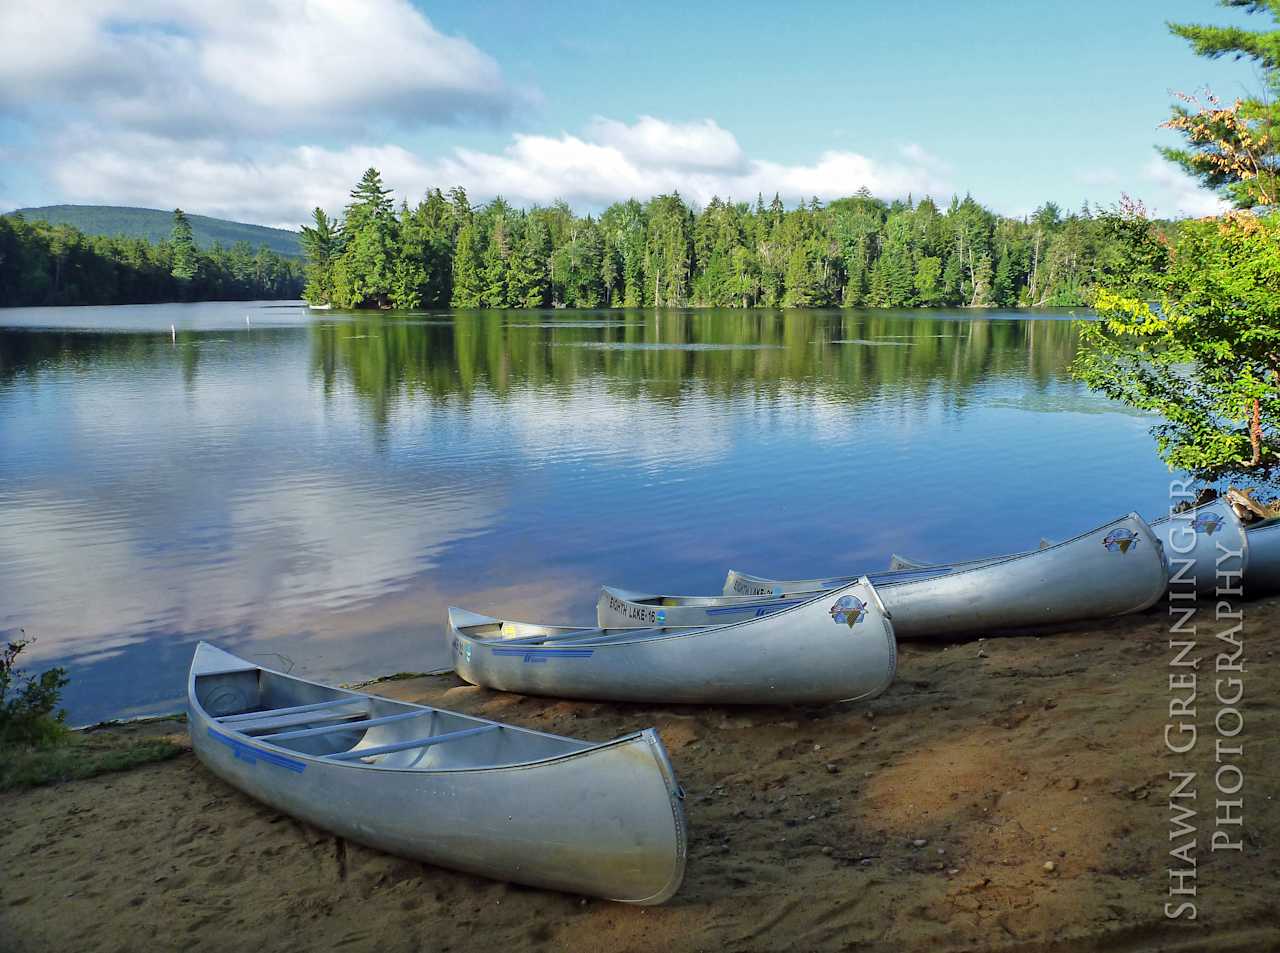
column 83, row 755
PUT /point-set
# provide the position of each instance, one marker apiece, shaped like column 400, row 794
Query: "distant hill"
column 155, row 225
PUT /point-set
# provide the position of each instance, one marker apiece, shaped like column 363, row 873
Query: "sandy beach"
column 1005, row 794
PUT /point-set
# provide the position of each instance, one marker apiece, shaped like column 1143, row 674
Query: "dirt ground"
column 1006, row 794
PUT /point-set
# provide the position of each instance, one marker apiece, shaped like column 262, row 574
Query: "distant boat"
column 320, row 307
column 599, row 818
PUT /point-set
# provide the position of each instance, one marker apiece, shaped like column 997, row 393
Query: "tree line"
column 44, row 264
column 858, row 251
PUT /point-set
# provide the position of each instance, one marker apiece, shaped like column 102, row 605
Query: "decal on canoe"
column 531, row 654
column 1120, row 540
column 848, row 610
column 463, row 649
column 1207, row 523
column 660, row 616
column 252, row 755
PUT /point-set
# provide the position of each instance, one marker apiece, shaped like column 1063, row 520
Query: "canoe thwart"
column 345, row 726
column 357, row 753
column 293, row 710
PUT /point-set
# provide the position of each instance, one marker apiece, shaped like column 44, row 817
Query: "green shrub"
column 29, row 712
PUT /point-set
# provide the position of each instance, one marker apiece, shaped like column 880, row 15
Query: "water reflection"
column 661, row 354
column 323, row 488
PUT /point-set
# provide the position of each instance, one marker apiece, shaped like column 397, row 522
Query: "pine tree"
column 494, row 261
column 186, row 260
column 322, row 245
column 365, row 271
column 1234, row 149
column 468, row 269
column 527, row 276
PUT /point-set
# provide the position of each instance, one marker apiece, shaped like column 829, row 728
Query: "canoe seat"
column 357, row 753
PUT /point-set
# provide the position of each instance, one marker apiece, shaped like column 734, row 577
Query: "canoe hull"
column 605, row 821
column 1202, row 543
column 1262, row 574
column 1116, row 569
column 798, row 655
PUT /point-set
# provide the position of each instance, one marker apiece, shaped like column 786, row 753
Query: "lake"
column 313, row 489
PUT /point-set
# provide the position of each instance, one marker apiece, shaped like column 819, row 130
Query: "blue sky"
column 258, row 111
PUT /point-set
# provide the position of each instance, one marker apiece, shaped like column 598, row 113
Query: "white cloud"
column 237, row 64
column 1178, row 194
column 649, row 141
column 279, row 185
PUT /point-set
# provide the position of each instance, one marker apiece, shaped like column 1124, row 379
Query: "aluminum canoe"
column 1117, row 568
column 604, row 819
column 740, row 584
column 1200, row 545
column 835, row 646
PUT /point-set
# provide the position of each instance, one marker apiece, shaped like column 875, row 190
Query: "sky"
column 260, row 110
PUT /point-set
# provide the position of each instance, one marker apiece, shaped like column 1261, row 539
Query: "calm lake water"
column 314, row 489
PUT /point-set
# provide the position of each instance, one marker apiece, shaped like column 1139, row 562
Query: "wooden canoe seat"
column 357, row 753
column 345, row 726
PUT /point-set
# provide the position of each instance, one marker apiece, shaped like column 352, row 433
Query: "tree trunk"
column 1255, row 432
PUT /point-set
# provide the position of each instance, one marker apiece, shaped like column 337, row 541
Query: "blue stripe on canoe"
column 252, row 755
column 531, row 654
column 767, row 607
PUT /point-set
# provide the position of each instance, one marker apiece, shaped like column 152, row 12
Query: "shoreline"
column 1008, row 793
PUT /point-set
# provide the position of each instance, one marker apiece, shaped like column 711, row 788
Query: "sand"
column 806, row 825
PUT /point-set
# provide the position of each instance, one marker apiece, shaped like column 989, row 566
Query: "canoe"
column 479, row 796
column 900, row 570
column 1117, row 568
column 838, row 646
column 1262, row 573
column 1199, row 544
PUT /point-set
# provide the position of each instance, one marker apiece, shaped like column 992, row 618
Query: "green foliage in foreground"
column 1206, row 356
column 29, row 712
column 858, row 251
column 36, row 746
column 43, row 264
column 83, row 755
